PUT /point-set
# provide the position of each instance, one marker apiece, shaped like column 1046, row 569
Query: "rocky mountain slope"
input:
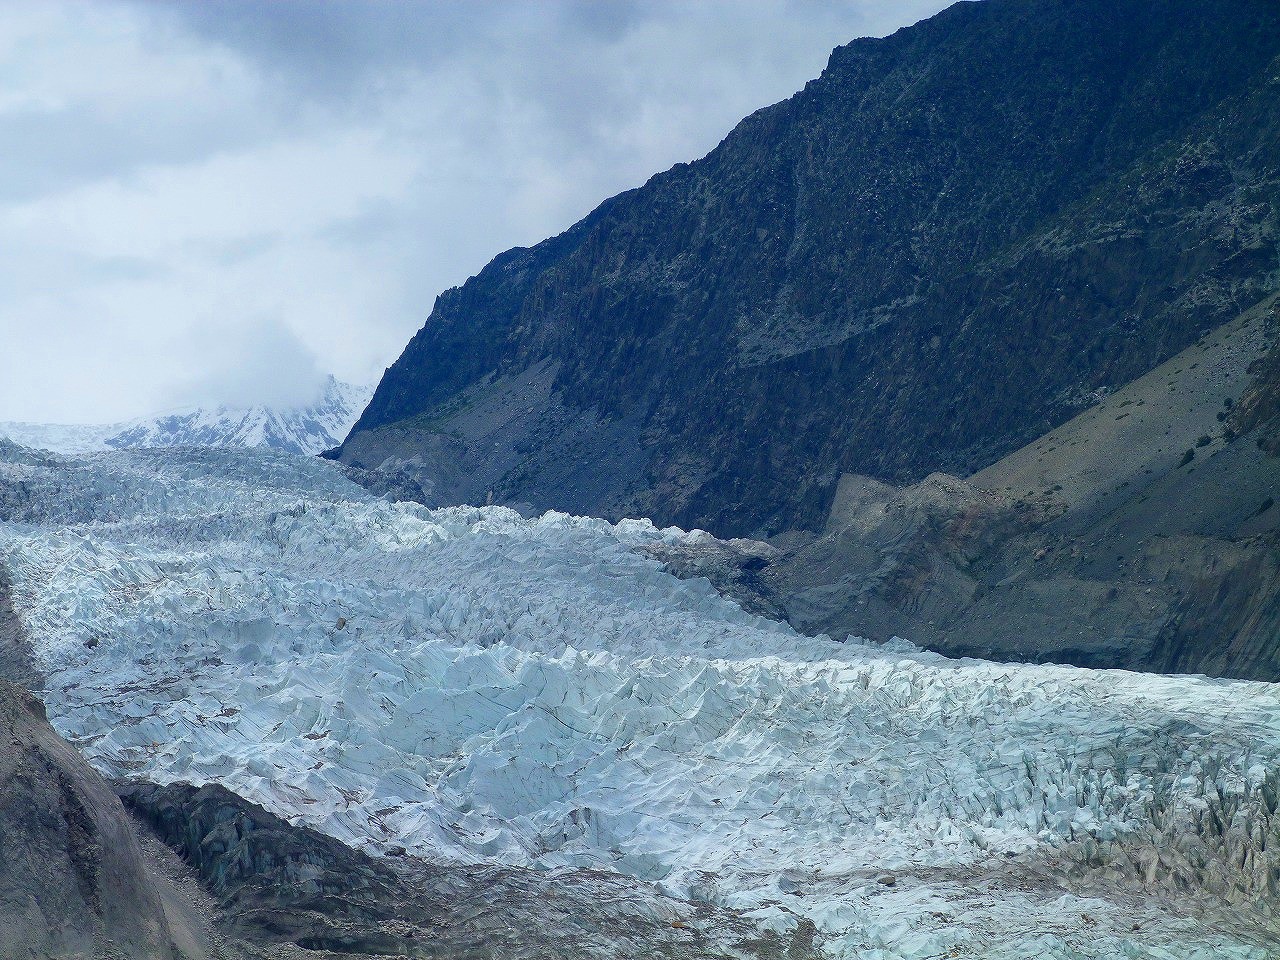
column 1141, row 534
column 951, row 242
column 309, row 428
column 74, row 879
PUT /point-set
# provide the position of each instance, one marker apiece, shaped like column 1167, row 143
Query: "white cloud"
column 282, row 190
column 188, row 186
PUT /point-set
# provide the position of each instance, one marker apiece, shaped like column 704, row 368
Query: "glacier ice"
column 484, row 688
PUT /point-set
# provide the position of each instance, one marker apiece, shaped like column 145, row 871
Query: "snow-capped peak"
column 308, row 429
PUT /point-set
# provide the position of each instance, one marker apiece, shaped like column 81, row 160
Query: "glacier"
column 478, row 687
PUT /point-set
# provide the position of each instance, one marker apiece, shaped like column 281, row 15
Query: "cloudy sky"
column 222, row 201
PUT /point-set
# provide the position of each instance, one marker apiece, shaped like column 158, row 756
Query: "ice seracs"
column 480, row 687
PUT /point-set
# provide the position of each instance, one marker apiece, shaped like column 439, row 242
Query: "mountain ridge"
column 996, row 215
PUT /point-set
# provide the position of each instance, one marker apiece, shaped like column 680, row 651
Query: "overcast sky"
column 223, row 201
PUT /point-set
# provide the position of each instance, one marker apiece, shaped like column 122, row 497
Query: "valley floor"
column 482, row 691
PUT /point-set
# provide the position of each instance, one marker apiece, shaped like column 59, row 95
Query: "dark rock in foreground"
column 74, row 881
column 290, row 892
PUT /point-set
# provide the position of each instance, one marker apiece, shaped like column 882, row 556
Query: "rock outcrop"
column 288, row 888
column 1142, row 534
column 274, row 882
column 73, row 879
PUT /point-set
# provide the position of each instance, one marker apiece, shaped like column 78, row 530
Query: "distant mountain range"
column 307, row 429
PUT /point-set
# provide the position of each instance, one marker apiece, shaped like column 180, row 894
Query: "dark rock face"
column 275, row 882
column 286, row 891
column 1101, row 544
column 73, row 879
column 941, row 248
column 15, row 652
column 1258, row 411
column 969, row 573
